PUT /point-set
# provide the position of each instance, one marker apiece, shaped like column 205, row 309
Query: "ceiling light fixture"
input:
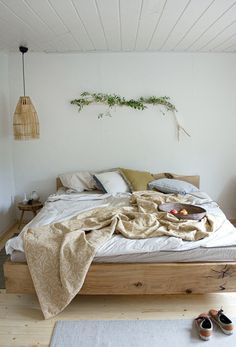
column 25, row 122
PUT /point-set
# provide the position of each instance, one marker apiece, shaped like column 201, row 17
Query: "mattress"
column 220, row 246
column 218, row 254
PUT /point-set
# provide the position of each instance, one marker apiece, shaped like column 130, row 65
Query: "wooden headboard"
column 194, row 179
column 58, row 183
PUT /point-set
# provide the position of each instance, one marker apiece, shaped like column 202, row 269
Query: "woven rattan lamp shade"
column 25, row 121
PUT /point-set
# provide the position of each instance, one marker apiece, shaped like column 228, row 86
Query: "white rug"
column 134, row 333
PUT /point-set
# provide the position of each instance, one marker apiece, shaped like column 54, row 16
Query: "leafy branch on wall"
column 113, row 100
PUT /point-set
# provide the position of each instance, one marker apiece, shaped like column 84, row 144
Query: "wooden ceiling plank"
column 109, row 13
column 120, row 30
column 189, row 19
column 101, row 23
column 23, row 12
column 67, row 35
column 87, row 11
column 229, row 41
column 66, row 43
column 151, row 14
column 118, row 25
column 138, row 26
column 220, row 37
column 129, row 23
column 44, row 11
column 214, row 13
column 24, row 32
column 175, row 24
column 231, row 48
column 173, row 11
column 215, row 30
column 8, row 36
column 67, row 13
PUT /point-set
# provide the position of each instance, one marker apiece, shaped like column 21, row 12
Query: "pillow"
column 137, row 180
column 193, row 179
column 78, row 181
column 172, row 186
column 111, row 182
column 99, row 184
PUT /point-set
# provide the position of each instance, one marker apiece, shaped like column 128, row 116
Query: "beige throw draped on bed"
column 59, row 255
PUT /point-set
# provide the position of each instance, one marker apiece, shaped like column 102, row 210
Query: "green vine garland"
column 113, row 100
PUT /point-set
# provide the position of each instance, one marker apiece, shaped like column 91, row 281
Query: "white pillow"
column 112, row 182
column 78, row 181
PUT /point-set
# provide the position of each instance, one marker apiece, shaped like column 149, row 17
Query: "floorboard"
column 22, row 323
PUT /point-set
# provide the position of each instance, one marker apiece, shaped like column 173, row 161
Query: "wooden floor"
column 22, row 324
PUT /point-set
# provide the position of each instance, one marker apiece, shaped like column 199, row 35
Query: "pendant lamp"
column 25, row 121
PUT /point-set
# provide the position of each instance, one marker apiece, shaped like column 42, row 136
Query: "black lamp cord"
column 23, row 69
column 23, row 50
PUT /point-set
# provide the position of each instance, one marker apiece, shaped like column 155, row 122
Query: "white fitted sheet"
column 218, row 254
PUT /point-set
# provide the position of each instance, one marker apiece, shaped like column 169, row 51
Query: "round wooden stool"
column 34, row 207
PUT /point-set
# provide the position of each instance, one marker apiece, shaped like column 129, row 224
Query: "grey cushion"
column 172, row 186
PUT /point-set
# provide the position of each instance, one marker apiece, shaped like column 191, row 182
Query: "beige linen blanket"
column 59, row 255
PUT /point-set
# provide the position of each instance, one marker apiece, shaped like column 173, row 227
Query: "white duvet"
column 62, row 206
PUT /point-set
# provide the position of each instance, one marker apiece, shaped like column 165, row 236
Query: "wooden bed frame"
column 139, row 278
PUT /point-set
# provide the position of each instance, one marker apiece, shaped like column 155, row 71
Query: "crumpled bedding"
column 59, row 254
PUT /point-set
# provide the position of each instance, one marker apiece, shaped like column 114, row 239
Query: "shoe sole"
column 226, row 332
column 205, row 338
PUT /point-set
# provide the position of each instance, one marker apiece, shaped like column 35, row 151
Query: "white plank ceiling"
column 118, row 25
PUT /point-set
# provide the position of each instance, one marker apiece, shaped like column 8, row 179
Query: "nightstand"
column 34, row 207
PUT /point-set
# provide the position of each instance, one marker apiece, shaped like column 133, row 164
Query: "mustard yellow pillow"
column 137, row 180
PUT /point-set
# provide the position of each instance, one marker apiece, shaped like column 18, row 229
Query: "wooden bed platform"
column 139, row 278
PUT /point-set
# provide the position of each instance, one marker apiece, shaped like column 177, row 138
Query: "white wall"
column 7, row 212
column 202, row 86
